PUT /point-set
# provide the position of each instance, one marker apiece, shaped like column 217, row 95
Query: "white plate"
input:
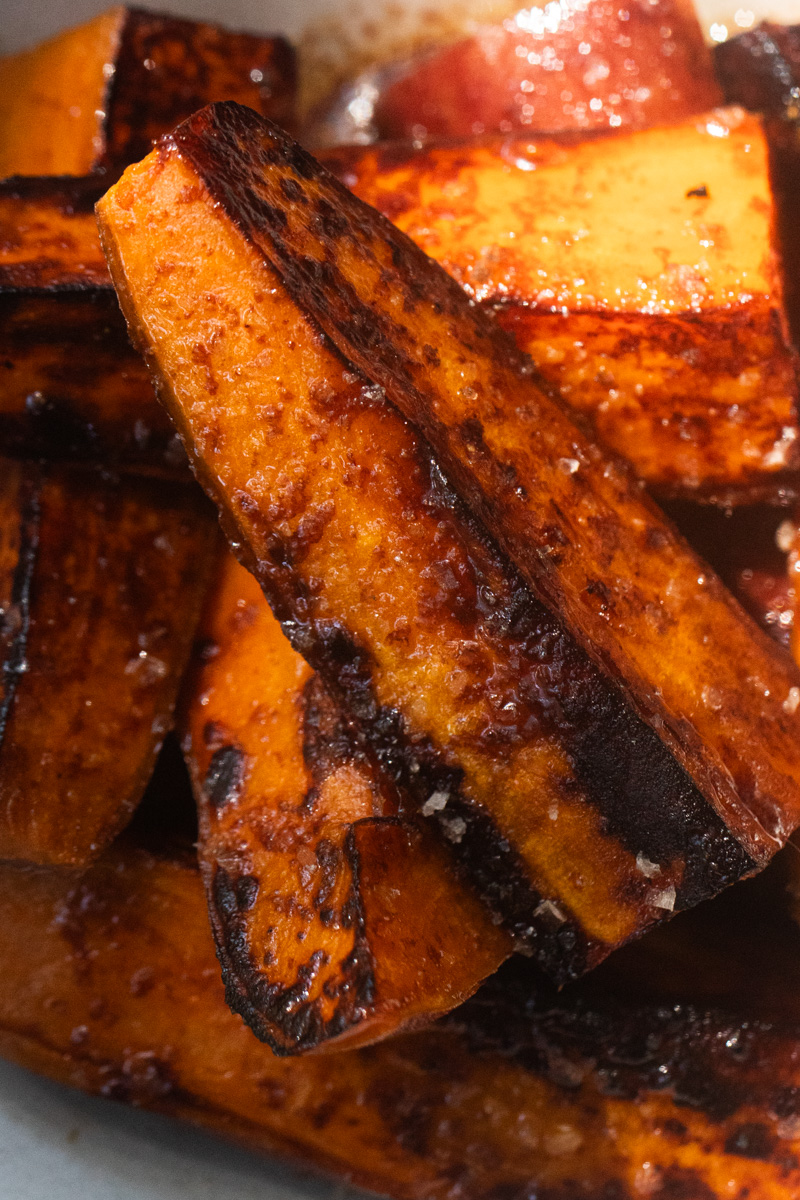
column 56, row 1144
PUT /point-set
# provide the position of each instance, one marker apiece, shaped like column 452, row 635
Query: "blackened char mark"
column 646, row 799
column 283, row 1017
column 66, row 194
column 225, row 776
column 760, row 69
column 167, row 68
column 15, row 621
column 330, row 738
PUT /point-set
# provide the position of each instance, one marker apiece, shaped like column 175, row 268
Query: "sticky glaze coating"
column 572, row 519
column 71, row 385
column 319, row 897
column 109, row 984
column 638, row 272
column 566, row 811
column 100, row 592
column 93, row 98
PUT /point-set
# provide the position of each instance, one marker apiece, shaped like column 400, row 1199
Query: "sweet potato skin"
column 110, row 985
column 573, row 521
column 319, row 900
column 71, row 385
column 639, row 274
column 102, row 586
column 590, row 66
column 761, row 70
column 95, row 97
column 495, row 723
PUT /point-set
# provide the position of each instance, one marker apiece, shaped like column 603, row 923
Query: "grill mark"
column 16, row 621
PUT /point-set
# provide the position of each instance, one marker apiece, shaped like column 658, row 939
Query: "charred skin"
column 71, row 385
column 109, row 984
column 573, row 520
column 100, row 593
column 319, row 897
column 598, row 257
column 761, row 70
column 95, row 97
column 556, row 798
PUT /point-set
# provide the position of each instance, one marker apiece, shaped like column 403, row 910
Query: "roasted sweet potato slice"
column 575, row 822
column 51, row 98
column 96, row 96
column 638, row 272
column 747, row 546
column 761, row 70
column 101, row 586
column 572, row 519
column 588, row 65
column 319, row 896
column 110, row 985
column 71, row 386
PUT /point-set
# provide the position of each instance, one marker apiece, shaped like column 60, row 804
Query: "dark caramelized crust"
column 572, row 519
column 638, row 272
column 319, row 897
column 71, row 385
column 95, row 97
column 100, row 591
column 761, row 70
column 565, row 809
column 110, row 985
column 167, row 68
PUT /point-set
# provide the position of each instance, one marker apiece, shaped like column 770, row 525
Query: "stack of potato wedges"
column 398, row 548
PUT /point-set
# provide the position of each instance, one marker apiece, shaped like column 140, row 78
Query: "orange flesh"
column 333, row 906
column 330, row 497
column 656, row 312
column 52, row 97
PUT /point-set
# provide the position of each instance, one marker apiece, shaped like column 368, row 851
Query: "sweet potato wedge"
column 761, row 70
column 564, row 808
column 319, row 896
column 71, row 386
column 581, row 66
column 101, row 588
column 110, row 985
column 574, row 522
column 95, row 97
column 638, row 272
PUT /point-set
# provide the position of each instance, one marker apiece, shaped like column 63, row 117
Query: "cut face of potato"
column 96, row 96
column 639, row 273
column 510, row 1096
column 319, row 895
column 568, row 813
column 100, row 588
